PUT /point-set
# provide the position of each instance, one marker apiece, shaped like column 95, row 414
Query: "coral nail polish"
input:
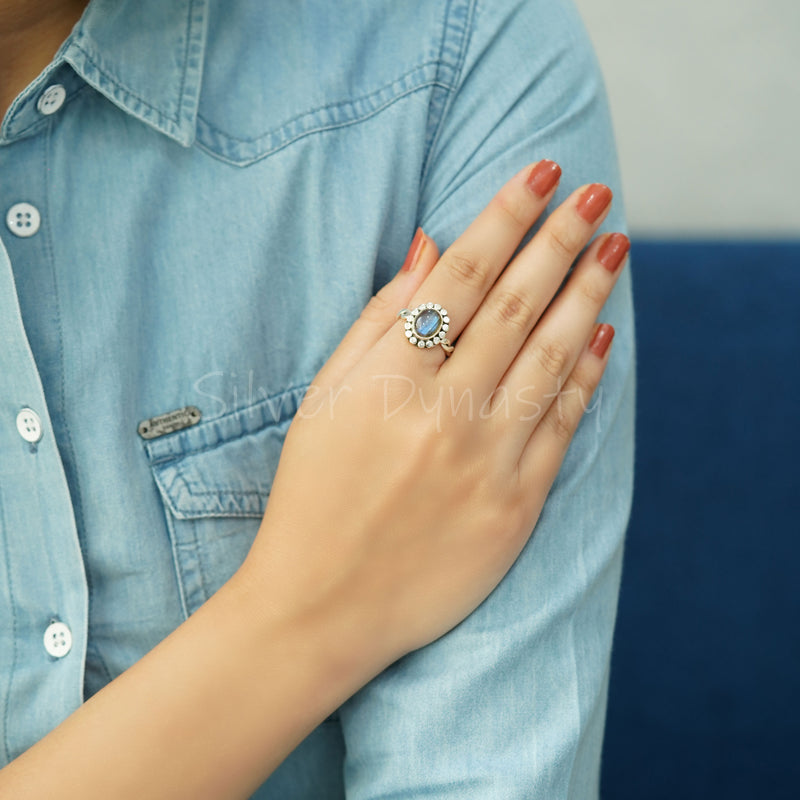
column 613, row 251
column 543, row 177
column 601, row 339
column 414, row 252
column 593, row 202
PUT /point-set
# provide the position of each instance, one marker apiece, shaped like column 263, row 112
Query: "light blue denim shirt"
column 198, row 197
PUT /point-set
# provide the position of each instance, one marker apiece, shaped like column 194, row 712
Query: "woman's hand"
column 409, row 482
column 408, row 485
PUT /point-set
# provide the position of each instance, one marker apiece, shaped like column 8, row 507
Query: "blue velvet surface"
column 705, row 681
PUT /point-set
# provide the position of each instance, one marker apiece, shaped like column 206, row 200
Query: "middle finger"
column 469, row 267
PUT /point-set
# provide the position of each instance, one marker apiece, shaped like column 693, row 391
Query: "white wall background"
column 706, row 102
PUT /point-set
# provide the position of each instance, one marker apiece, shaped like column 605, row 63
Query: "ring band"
column 426, row 326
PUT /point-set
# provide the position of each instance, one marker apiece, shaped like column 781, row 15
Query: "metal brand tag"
column 169, row 422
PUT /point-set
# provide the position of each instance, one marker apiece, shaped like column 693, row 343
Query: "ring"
column 427, row 326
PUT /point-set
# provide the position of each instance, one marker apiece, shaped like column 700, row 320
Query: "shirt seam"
column 69, row 447
column 155, row 461
column 203, row 124
column 182, row 84
column 112, row 78
column 42, row 122
column 10, row 679
column 461, row 33
column 311, row 131
column 364, row 98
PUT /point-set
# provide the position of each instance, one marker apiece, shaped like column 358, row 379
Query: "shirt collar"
column 145, row 56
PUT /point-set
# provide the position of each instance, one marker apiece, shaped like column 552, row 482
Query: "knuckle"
column 511, row 308
column 585, row 383
column 471, row 270
column 563, row 243
column 561, row 423
column 593, row 293
column 514, row 207
column 553, row 357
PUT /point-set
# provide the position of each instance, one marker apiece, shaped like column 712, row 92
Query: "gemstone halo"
column 427, row 325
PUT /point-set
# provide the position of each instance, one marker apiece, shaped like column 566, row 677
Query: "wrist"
column 328, row 641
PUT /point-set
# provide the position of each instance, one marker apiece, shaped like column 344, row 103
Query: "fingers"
column 470, row 266
column 545, row 448
column 549, row 355
column 381, row 311
column 515, row 303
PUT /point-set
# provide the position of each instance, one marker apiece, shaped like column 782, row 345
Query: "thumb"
column 381, row 312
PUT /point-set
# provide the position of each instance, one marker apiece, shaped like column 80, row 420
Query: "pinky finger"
column 541, row 459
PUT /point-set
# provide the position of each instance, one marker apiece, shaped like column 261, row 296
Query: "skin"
column 338, row 583
column 31, row 31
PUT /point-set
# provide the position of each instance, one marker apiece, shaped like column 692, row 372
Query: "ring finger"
column 469, row 267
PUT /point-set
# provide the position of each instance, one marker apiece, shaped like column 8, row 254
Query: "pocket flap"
column 224, row 467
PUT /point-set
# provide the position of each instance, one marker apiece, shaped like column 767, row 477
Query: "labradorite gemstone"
column 427, row 323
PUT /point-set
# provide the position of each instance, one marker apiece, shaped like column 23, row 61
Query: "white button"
column 29, row 425
column 52, row 99
column 23, row 219
column 58, row 639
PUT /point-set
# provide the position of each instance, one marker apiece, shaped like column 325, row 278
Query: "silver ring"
column 426, row 326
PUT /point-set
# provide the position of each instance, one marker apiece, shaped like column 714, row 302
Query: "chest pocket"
column 214, row 479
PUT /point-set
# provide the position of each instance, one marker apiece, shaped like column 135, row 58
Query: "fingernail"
column 544, row 176
column 594, row 202
column 613, row 251
column 601, row 339
column 414, row 252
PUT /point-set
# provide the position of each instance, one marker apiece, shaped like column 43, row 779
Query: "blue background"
column 705, row 681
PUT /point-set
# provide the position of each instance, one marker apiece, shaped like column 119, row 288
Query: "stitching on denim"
column 338, row 104
column 189, row 18
column 200, row 561
column 465, row 32
column 190, row 515
column 169, row 523
column 117, row 82
column 199, row 39
column 77, row 501
column 226, row 491
column 10, row 680
column 222, row 441
column 311, row 131
column 44, row 121
column 157, row 461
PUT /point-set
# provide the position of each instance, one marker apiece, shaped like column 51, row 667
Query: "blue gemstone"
column 427, row 323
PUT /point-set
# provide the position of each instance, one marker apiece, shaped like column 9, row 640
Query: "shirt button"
column 58, row 639
column 52, row 99
column 23, row 219
column 29, row 425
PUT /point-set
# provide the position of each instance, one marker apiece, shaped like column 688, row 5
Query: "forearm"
column 208, row 713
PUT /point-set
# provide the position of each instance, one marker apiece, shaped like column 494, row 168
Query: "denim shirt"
column 197, row 199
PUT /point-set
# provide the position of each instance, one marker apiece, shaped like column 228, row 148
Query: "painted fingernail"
column 544, row 176
column 601, row 339
column 593, row 202
column 414, row 252
column 613, row 251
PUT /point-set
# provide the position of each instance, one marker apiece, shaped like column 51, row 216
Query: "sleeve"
column 511, row 704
